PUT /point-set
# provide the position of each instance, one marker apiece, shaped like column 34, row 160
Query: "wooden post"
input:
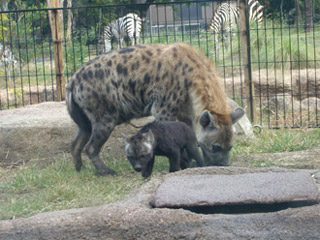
column 246, row 59
column 57, row 36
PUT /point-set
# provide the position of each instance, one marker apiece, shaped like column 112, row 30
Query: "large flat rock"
column 238, row 189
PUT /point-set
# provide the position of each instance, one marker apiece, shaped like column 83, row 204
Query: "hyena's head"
column 139, row 150
column 216, row 140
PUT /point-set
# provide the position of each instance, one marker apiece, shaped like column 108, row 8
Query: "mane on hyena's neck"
column 207, row 93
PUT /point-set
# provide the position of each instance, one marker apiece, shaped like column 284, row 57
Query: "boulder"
column 243, row 127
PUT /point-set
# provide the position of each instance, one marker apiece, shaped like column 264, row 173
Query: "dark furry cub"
column 162, row 138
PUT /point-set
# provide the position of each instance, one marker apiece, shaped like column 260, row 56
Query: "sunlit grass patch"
column 32, row 189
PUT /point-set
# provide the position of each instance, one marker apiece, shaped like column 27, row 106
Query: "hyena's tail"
column 76, row 112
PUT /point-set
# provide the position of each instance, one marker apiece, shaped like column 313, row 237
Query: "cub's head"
column 216, row 140
column 139, row 151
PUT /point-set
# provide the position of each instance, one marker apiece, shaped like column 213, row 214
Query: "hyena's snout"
column 216, row 158
column 137, row 167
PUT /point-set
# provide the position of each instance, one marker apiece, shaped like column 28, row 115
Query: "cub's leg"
column 184, row 160
column 174, row 160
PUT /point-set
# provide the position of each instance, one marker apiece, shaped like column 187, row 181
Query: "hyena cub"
column 162, row 138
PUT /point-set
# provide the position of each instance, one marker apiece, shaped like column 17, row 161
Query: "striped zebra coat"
column 126, row 28
column 227, row 15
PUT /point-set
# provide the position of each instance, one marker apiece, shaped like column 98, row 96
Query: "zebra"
column 227, row 16
column 7, row 57
column 123, row 28
column 9, row 62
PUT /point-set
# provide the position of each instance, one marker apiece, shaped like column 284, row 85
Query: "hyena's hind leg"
column 100, row 133
column 77, row 146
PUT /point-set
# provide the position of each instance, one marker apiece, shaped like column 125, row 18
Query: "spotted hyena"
column 162, row 138
column 171, row 82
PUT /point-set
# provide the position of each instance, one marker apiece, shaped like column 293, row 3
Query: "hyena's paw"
column 106, row 171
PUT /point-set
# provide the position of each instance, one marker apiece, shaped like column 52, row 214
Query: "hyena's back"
column 129, row 82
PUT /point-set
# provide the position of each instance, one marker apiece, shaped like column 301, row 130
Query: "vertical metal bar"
column 259, row 68
column 316, row 94
column 181, row 22
column 43, row 63
column 166, row 23
column 189, row 15
column 151, row 23
column 291, row 75
column 307, row 31
column 35, row 57
column 174, row 23
column 299, row 71
column 246, row 55
column 20, row 67
column 206, row 32
column 275, row 74
column 198, row 24
column 12, row 78
column 67, row 39
column 27, row 56
column 87, row 32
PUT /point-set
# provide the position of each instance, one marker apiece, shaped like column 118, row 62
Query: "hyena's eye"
column 216, row 148
column 144, row 155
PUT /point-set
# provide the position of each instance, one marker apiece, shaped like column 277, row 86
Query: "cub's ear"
column 124, row 138
column 237, row 114
column 207, row 120
column 149, row 137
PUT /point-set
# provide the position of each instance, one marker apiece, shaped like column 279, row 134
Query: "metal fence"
column 283, row 56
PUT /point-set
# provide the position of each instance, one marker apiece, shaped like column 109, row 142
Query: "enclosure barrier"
column 269, row 64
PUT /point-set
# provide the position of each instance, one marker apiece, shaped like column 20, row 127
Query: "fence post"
column 246, row 58
column 56, row 31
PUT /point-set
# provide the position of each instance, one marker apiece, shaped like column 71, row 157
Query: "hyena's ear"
column 148, row 136
column 237, row 114
column 125, row 139
column 207, row 120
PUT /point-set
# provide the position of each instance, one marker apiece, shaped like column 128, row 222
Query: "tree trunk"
column 56, row 24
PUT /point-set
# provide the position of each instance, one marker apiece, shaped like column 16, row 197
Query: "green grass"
column 32, row 189
column 35, row 188
column 273, row 141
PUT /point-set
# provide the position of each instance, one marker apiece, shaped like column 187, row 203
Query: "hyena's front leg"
column 147, row 172
column 193, row 153
column 101, row 131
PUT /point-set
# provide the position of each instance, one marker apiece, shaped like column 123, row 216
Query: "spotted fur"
column 171, row 82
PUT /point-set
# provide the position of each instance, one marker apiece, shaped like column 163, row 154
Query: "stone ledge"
column 239, row 189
